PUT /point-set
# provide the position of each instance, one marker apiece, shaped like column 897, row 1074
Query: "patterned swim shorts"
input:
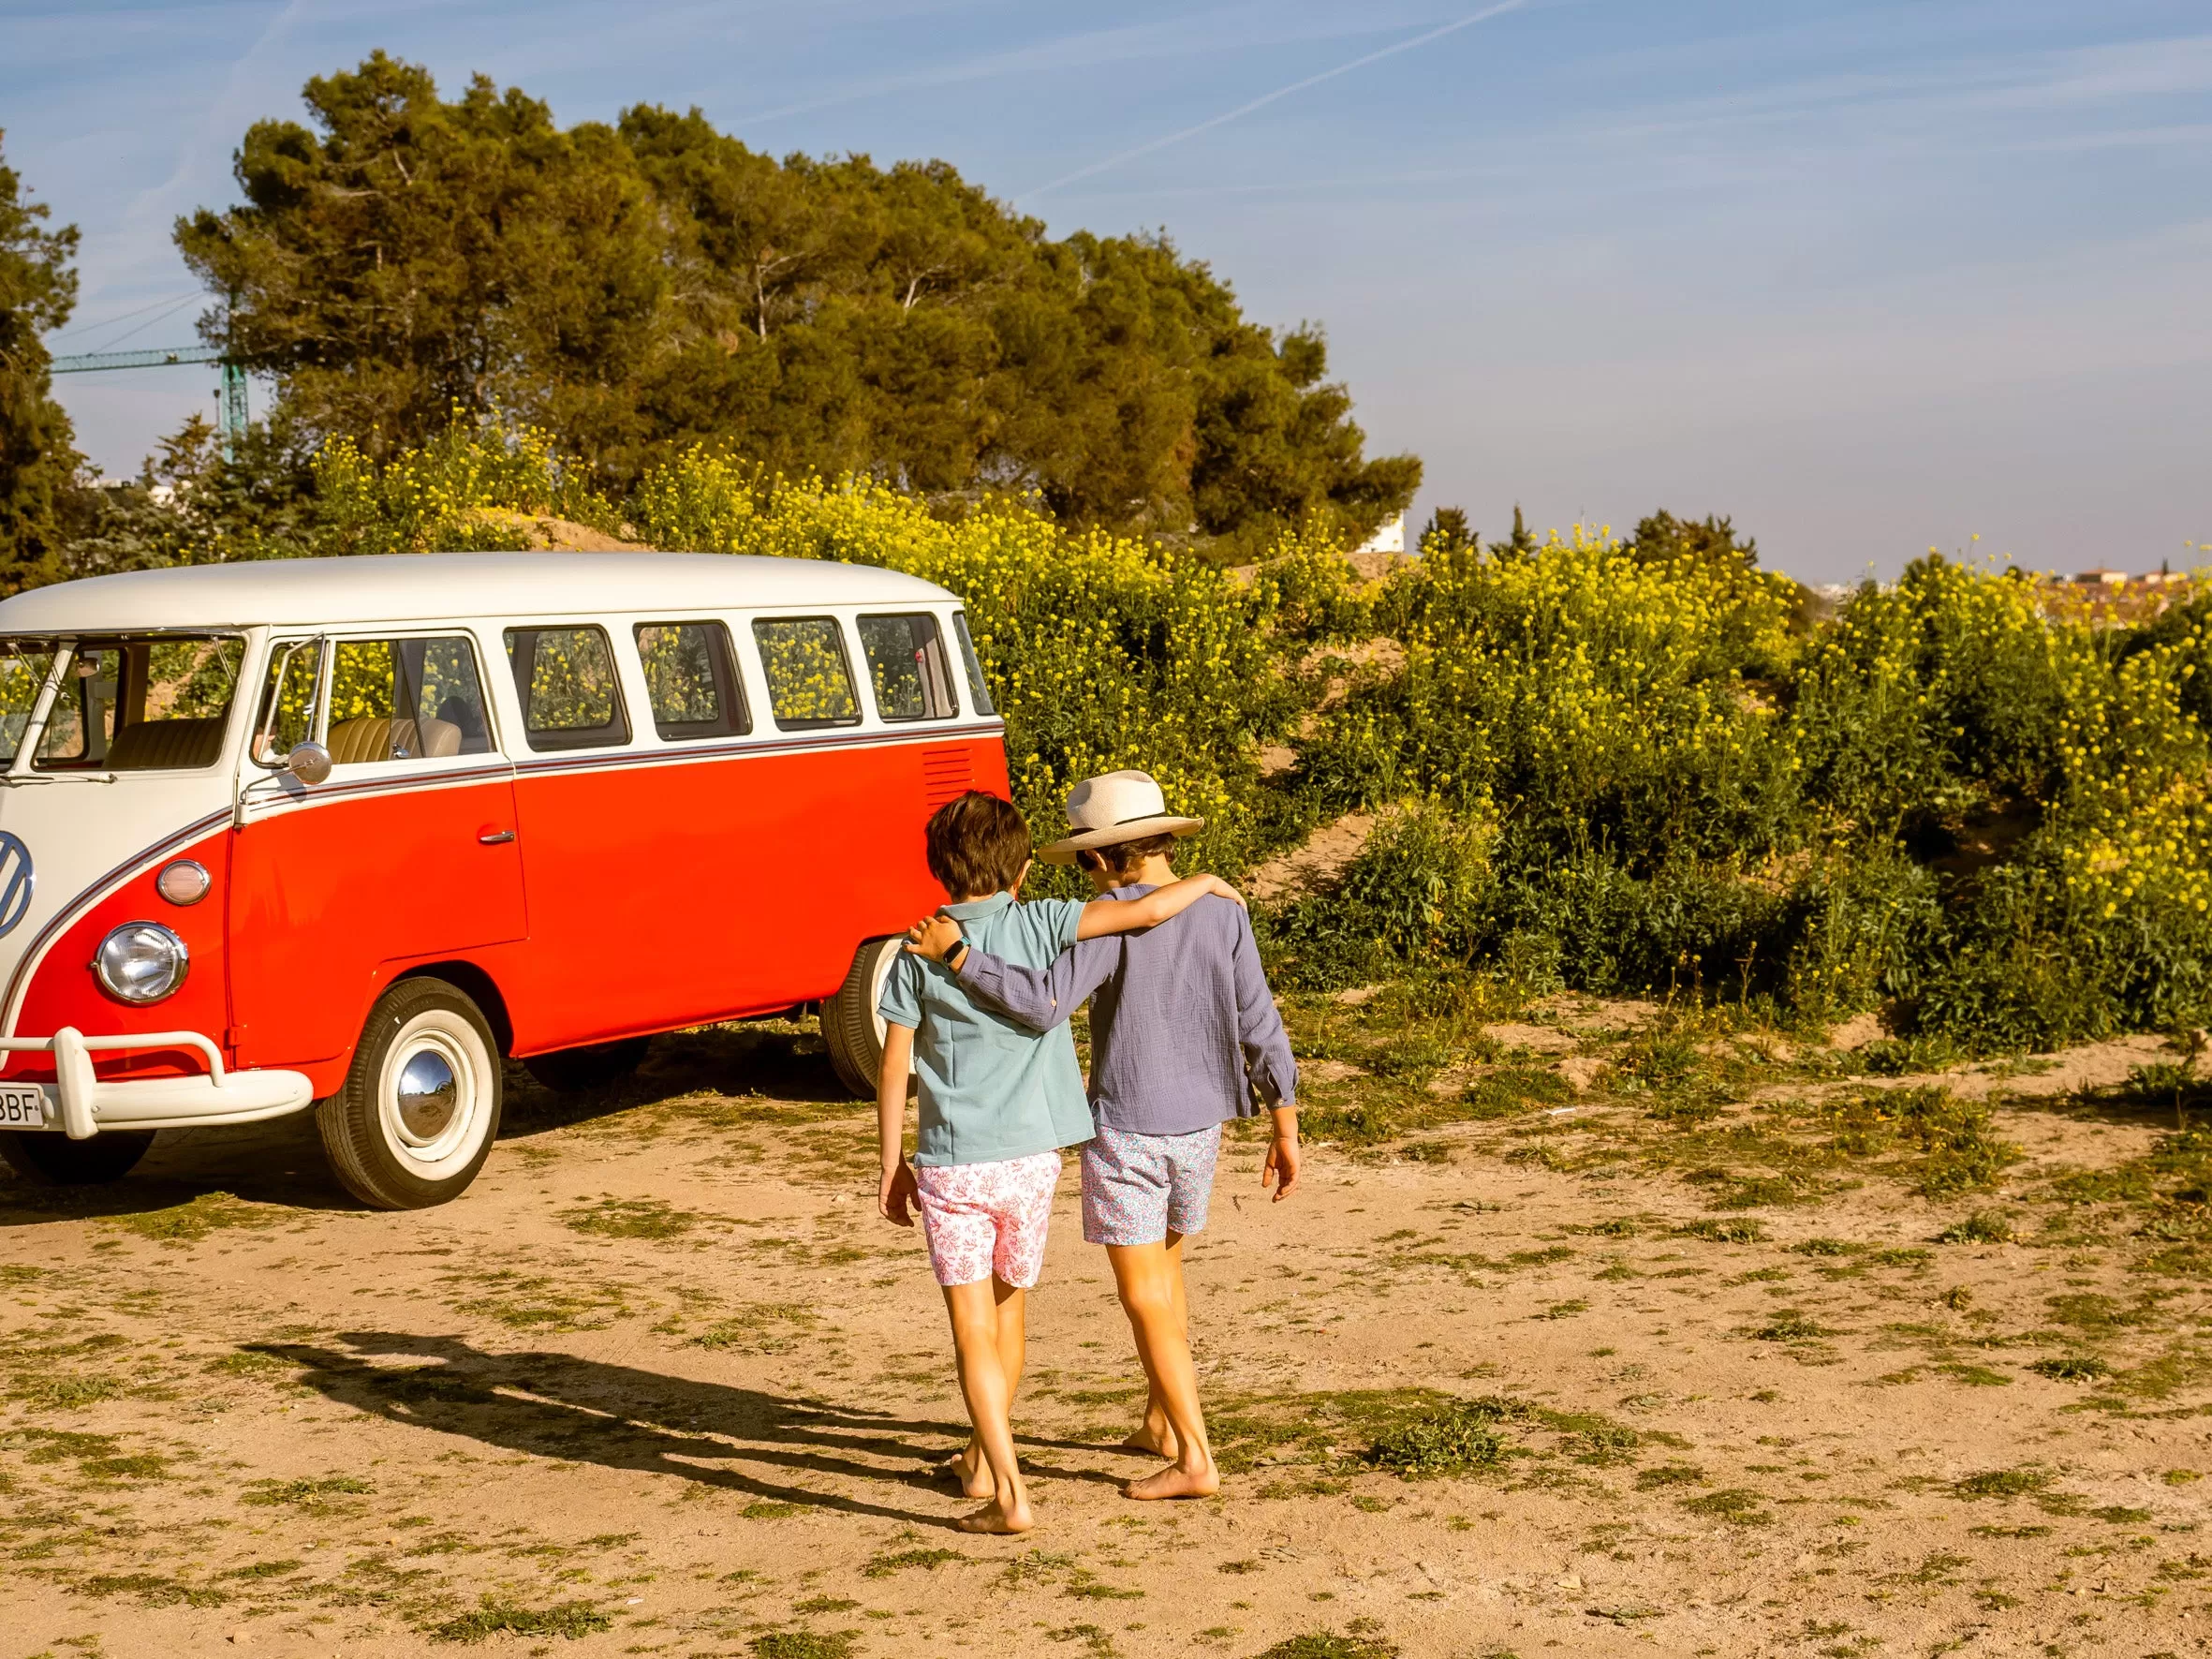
column 986, row 1221
column 1138, row 1187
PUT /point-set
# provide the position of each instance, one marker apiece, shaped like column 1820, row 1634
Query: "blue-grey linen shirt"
column 1184, row 1028
column 990, row 1088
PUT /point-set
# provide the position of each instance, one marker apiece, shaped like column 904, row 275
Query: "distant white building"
column 1390, row 537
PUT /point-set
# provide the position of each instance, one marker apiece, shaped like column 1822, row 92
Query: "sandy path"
column 664, row 1369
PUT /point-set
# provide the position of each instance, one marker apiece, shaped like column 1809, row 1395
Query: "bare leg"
column 968, row 1466
column 975, row 1314
column 1154, row 1434
column 1149, row 1277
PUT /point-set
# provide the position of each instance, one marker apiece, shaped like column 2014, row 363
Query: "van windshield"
column 148, row 702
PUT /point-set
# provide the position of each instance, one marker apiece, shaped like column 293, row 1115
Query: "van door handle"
column 492, row 836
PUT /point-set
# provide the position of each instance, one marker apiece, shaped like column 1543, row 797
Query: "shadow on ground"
column 281, row 1162
column 556, row 1405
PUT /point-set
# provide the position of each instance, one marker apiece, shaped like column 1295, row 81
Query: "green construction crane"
column 229, row 401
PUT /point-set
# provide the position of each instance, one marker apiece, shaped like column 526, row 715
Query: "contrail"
column 1266, row 99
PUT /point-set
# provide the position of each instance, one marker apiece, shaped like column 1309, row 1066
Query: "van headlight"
column 142, row 962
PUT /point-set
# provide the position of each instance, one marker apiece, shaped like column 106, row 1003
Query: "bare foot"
column 1175, row 1481
column 998, row 1517
column 1160, row 1442
column 967, row 1467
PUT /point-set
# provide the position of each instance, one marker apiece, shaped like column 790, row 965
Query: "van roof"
column 415, row 587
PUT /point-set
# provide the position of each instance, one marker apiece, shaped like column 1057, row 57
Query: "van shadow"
column 554, row 1405
column 281, row 1161
column 779, row 1059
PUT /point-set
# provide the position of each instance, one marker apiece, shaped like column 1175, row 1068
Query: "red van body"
column 535, row 805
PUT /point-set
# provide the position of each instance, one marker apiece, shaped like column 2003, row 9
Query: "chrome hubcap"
column 429, row 1095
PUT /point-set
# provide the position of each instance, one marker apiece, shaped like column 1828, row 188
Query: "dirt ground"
column 663, row 1383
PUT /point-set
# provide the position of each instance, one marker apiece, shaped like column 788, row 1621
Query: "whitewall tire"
column 416, row 1116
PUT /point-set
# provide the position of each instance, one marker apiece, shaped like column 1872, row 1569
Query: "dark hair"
column 1126, row 858
column 976, row 844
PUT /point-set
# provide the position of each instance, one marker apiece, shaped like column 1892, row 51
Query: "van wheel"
column 414, row 1120
column 578, row 1071
column 49, row 1160
column 851, row 1025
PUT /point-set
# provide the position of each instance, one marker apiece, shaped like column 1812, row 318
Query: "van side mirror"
column 310, row 763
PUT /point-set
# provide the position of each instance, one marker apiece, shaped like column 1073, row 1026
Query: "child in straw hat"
column 1184, row 1034
column 999, row 1100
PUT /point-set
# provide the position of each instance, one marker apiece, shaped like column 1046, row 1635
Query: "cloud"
column 1266, row 98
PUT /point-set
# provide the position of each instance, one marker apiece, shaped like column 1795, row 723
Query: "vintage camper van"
column 342, row 833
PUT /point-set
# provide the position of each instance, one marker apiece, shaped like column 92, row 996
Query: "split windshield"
column 147, row 703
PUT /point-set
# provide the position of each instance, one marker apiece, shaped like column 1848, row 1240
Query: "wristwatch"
column 958, row 954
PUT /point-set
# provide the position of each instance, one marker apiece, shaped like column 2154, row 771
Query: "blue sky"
column 1868, row 276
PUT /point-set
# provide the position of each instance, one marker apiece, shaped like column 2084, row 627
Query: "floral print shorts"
column 1136, row 1188
column 986, row 1221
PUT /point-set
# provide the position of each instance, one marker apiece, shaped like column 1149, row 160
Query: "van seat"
column 166, row 746
column 373, row 738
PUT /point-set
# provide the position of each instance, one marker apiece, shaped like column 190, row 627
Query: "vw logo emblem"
column 17, row 878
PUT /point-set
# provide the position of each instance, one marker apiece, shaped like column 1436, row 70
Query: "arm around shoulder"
column 1131, row 915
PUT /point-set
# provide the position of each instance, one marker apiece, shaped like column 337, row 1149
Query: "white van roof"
column 414, row 587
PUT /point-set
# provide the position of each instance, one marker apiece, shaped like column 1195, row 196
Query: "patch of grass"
column 1510, row 1092
column 1718, row 1232
column 1328, row 1645
column 803, row 1644
column 143, row 1466
column 1456, row 1439
column 1984, row 1226
column 571, row 1621
column 2071, row 1368
column 883, row 1566
column 62, row 1391
column 2002, row 1483
column 151, row 1589
column 539, row 1303
column 1669, row 1474
column 1564, row 1309
column 308, row 1494
column 1790, row 1327
column 189, row 1223
column 763, row 1327
column 630, row 1218
column 264, row 1569
column 1361, row 1123
column 1414, row 1058
column 1974, row 1376
column 1828, row 1247
column 1738, row 1506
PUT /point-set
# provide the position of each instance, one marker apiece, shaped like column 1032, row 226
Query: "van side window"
column 906, row 661
column 404, row 699
column 287, row 699
column 692, row 680
column 978, row 692
column 564, row 680
column 809, row 681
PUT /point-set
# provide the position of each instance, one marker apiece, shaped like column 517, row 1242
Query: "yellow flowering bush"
column 1620, row 767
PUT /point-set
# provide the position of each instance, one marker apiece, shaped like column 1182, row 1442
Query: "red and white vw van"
column 344, row 832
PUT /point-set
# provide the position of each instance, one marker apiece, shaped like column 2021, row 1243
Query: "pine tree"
column 37, row 454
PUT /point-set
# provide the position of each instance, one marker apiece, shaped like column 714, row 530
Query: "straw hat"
column 1119, row 807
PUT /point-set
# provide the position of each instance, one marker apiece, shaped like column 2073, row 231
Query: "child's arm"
column 1132, row 915
column 1268, row 1062
column 894, row 1191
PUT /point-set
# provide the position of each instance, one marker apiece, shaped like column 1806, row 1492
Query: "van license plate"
column 22, row 1107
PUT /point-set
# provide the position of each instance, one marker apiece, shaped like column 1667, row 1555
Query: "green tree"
column 1447, row 531
column 638, row 289
column 411, row 256
column 37, row 453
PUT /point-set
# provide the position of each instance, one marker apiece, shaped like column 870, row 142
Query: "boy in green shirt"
column 998, row 1102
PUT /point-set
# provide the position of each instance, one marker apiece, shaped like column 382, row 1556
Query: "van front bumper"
column 80, row 1105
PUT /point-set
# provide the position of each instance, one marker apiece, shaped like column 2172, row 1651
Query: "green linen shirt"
column 991, row 1088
